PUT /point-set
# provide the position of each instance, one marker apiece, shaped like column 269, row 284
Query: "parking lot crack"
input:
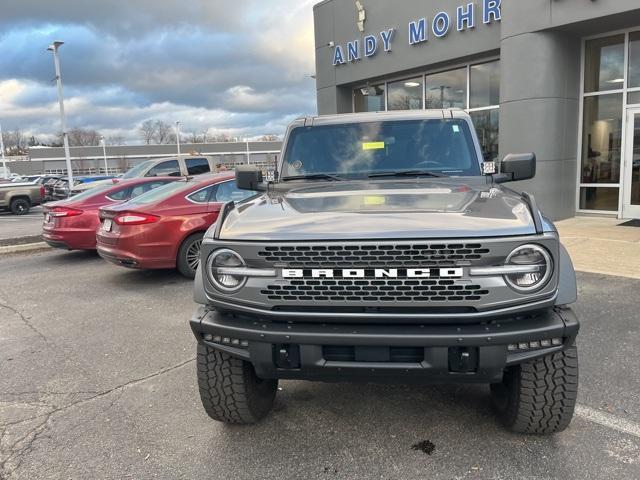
column 24, row 320
column 136, row 381
column 11, row 455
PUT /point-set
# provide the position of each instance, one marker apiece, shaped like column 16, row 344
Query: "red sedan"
column 164, row 228
column 71, row 224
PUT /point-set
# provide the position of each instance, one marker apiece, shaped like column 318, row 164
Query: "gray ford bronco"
column 383, row 249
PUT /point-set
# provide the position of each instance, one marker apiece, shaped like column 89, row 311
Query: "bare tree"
column 219, row 138
column 147, row 131
column 195, row 138
column 116, row 140
column 14, row 142
column 162, row 132
column 80, row 137
column 269, row 138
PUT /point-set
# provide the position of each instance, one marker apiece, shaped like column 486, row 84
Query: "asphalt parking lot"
column 20, row 226
column 98, row 381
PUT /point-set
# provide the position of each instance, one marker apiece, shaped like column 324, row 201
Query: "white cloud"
column 241, row 67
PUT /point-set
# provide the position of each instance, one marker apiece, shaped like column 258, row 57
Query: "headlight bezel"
column 211, row 268
column 540, row 284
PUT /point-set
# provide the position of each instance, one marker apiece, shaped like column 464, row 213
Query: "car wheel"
column 539, row 396
column 20, row 206
column 189, row 255
column 230, row 390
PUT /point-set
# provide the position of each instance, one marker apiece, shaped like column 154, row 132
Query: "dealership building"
column 560, row 78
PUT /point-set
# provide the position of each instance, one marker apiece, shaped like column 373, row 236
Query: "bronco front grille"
column 379, row 290
column 397, row 255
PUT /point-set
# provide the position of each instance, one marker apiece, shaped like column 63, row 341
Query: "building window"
column 484, row 105
column 602, row 139
column 405, row 94
column 604, row 64
column 634, row 60
column 370, row 99
column 474, row 88
column 608, row 89
column 633, row 98
column 484, row 85
column 603, row 198
column 447, row 89
column 486, row 123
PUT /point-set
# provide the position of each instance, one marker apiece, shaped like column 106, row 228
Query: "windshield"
column 136, row 171
column 444, row 147
column 160, row 193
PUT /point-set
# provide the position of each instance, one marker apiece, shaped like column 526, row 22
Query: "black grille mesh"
column 401, row 255
column 380, row 290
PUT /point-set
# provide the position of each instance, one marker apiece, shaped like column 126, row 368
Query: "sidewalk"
column 600, row 245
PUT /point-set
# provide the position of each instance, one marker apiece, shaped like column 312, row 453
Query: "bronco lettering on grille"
column 373, row 273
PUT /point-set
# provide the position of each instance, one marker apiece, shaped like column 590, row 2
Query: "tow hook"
column 463, row 359
column 287, row 356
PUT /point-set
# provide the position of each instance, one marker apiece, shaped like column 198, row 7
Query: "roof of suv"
column 382, row 116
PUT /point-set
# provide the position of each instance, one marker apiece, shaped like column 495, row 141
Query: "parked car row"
column 147, row 223
column 57, row 187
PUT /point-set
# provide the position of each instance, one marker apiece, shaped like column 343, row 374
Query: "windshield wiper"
column 408, row 173
column 315, row 176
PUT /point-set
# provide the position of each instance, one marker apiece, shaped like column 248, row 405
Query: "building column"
column 335, row 99
column 539, row 109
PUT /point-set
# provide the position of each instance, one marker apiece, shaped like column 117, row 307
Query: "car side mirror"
column 249, row 177
column 518, row 166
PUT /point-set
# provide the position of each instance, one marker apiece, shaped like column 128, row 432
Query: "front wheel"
column 20, row 206
column 230, row 390
column 539, row 396
column 189, row 255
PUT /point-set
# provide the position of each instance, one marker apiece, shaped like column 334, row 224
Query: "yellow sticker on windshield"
column 374, row 200
column 372, row 146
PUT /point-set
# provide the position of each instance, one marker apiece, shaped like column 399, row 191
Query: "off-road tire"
column 539, row 396
column 20, row 206
column 185, row 254
column 230, row 390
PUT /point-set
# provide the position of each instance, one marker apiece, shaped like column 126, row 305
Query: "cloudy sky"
column 240, row 67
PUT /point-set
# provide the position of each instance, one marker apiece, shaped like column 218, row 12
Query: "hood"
column 442, row 208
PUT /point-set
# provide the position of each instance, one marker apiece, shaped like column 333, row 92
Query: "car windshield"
column 160, row 193
column 443, row 147
column 136, row 171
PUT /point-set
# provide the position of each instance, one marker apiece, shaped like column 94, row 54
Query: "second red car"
column 164, row 228
column 71, row 224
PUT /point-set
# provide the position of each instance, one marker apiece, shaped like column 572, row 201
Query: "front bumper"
column 267, row 345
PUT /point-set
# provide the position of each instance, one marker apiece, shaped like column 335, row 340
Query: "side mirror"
column 249, row 178
column 518, row 166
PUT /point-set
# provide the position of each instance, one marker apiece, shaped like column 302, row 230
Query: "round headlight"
column 223, row 281
column 537, row 261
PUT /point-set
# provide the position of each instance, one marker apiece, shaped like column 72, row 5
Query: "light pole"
column 178, row 136
column 65, row 140
column 104, row 155
column 4, row 161
column 248, row 153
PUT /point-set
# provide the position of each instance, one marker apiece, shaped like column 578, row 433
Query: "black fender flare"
column 567, row 283
column 199, row 295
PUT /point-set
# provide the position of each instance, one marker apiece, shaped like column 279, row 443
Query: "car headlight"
column 221, row 259
column 536, row 268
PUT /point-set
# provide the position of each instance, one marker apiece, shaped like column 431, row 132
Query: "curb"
column 25, row 247
column 24, row 240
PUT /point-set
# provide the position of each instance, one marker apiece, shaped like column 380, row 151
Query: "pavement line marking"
column 608, row 420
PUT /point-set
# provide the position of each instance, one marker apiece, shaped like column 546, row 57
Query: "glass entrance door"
column 631, row 200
